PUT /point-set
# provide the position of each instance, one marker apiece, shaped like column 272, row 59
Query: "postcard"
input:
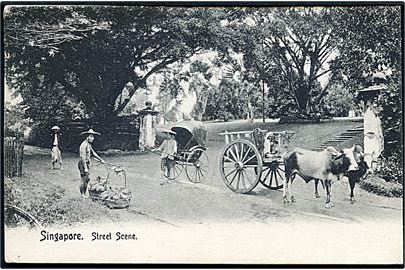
column 202, row 134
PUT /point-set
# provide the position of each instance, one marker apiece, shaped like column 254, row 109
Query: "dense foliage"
column 369, row 44
column 86, row 54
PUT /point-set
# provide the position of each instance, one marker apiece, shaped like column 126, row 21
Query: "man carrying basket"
column 85, row 151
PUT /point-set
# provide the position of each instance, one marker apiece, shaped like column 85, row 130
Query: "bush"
column 392, row 170
column 300, row 118
column 15, row 122
column 49, row 204
column 390, row 105
column 379, row 186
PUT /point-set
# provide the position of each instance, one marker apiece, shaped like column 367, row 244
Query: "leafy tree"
column 15, row 122
column 89, row 53
column 199, row 83
column 338, row 101
column 170, row 92
column 369, row 42
column 226, row 103
column 293, row 45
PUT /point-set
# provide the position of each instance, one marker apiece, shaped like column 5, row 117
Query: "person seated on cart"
column 271, row 145
column 169, row 150
column 85, row 151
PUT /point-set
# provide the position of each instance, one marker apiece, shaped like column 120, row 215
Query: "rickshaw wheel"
column 17, row 217
column 174, row 172
column 197, row 165
column 272, row 175
column 241, row 166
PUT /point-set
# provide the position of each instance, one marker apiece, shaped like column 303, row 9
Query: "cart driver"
column 270, row 145
column 85, row 151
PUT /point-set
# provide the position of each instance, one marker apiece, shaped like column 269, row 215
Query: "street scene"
column 227, row 134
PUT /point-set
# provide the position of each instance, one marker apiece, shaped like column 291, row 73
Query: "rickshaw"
column 191, row 151
column 244, row 163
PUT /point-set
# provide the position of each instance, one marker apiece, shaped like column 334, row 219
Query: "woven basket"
column 117, row 204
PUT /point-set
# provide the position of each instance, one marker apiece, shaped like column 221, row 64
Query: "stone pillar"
column 373, row 136
column 147, row 130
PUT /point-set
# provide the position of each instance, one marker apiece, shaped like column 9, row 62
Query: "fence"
column 13, row 157
column 121, row 134
column 117, row 133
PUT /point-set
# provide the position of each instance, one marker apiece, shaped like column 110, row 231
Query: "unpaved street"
column 207, row 223
column 184, row 202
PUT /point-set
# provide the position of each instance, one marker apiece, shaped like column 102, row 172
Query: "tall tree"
column 293, row 44
column 199, row 83
column 91, row 52
column 369, row 43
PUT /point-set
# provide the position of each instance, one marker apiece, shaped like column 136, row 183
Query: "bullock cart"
column 191, row 151
column 250, row 157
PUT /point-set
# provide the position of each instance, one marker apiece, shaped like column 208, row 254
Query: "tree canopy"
column 87, row 54
column 76, row 61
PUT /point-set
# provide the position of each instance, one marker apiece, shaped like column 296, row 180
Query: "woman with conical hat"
column 85, row 151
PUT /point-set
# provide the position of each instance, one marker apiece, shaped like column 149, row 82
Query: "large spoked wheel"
column 175, row 170
column 272, row 175
column 241, row 166
column 197, row 166
column 17, row 217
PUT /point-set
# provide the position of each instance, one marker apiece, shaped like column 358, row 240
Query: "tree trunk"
column 251, row 110
column 302, row 97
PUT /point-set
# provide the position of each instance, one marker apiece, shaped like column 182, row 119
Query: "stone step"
column 342, row 137
column 351, row 134
column 347, row 136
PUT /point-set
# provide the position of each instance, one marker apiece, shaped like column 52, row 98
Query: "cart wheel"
column 17, row 217
column 197, row 165
column 241, row 166
column 272, row 175
column 174, row 172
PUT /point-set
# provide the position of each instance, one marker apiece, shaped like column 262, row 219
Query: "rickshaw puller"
column 168, row 149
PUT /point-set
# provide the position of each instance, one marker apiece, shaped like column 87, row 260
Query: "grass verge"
column 49, row 203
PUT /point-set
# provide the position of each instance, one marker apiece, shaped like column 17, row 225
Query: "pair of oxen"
column 326, row 166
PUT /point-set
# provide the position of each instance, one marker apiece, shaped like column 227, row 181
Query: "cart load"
column 113, row 196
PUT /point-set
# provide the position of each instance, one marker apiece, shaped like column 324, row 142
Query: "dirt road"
column 207, row 223
column 184, row 202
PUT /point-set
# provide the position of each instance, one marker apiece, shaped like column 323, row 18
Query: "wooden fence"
column 13, row 157
column 121, row 134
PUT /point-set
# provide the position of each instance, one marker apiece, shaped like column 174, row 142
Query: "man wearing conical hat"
column 85, row 151
column 169, row 150
column 56, row 153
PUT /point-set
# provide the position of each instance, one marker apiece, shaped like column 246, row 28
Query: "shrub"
column 392, row 170
column 379, row 186
column 390, row 106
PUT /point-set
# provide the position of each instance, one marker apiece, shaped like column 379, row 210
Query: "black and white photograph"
column 206, row 133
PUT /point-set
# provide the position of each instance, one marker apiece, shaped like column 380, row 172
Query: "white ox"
column 328, row 165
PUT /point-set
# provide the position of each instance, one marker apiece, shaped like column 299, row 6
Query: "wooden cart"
column 244, row 162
